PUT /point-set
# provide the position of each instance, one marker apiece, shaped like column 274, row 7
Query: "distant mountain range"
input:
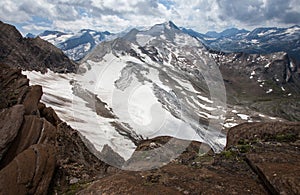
column 258, row 41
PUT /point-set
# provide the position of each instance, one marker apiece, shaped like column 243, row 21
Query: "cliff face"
column 36, row 147
column 31, row 54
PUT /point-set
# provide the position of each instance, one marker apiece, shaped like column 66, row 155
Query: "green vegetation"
column 289, row 137
column 74, row 188
column 229, row 154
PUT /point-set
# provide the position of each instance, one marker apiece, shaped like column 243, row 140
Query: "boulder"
column 32, row 99
column 30, row 172
column 10, row 122
column 277, row 165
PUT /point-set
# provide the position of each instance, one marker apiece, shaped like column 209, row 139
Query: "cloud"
column 260, row 12
column 117, row 15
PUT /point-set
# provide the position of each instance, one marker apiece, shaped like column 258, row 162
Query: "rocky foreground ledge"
column 40, row 154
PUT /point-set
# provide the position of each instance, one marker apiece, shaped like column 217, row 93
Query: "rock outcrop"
column 31, row 53
column 37, row 149
column 27, row 162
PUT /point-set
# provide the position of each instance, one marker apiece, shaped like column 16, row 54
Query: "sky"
column 36, row 16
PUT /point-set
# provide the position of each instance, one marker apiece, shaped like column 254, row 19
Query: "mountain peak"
column 30, row 35
column 171, row 25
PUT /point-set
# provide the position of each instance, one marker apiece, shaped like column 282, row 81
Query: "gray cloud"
column 259, row 12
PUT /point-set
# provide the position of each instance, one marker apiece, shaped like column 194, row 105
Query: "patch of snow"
column 268, row 65
column 87, row 47
column 269, row 91
column 202, row 105
column 266, row 33
column 205, row 99
column 183, row 39
column 234, row 111
column 143, row 39
column 243, row 116
column 229, row 125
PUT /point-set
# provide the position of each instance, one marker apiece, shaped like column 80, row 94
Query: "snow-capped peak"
column 76, row 45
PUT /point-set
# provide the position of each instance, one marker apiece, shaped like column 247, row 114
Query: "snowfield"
column 146, row 84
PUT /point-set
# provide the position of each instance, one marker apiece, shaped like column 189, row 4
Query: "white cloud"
column 117, row 15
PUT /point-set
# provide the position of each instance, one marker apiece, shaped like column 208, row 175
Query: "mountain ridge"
column 229, row 40
column 38, row 54
column 263, row 40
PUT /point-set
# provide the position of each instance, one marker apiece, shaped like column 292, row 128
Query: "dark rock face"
column 30, row 172
column 13, row 86
column 27, row 164
column 9, row 128
column 31, row 53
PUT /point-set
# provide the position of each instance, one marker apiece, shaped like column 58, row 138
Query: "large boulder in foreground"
column 30, row 172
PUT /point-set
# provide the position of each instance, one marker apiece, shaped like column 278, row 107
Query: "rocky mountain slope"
column 36, row 53
column 164, row 82
column 268, row 84
column 257, row 41
column 40, row 154
column 76, row 45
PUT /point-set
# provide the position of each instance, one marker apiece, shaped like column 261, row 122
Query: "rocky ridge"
column 31, row 53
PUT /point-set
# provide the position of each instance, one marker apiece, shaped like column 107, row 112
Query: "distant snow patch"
column 243, row 116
